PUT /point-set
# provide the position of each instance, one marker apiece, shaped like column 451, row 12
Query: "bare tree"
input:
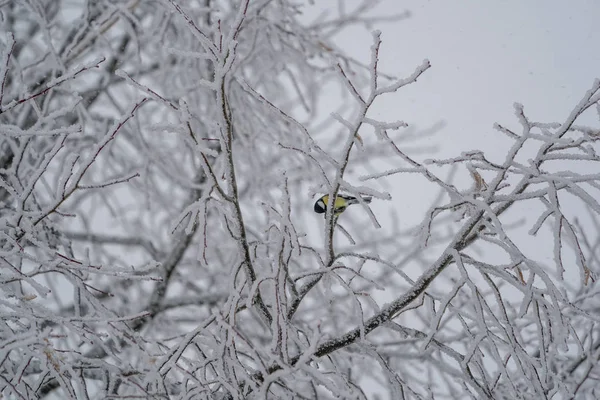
column 158, row 163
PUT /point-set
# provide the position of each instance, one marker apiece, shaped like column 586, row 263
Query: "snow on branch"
column 159, row 165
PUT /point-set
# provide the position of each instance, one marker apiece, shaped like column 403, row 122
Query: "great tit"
column 341, row 203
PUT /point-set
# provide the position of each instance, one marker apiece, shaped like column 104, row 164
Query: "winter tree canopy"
column 159, row 161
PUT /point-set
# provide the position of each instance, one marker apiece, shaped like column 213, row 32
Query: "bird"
column 341, row 203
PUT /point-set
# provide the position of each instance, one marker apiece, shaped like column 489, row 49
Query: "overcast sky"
column 486, row 55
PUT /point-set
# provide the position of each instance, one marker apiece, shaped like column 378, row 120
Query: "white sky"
column 485, row 56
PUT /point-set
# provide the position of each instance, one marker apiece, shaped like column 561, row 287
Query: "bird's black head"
column 320, row 206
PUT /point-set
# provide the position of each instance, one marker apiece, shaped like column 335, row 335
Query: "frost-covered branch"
column 158, row 168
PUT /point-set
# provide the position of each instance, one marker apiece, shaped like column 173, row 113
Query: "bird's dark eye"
column 320, row 207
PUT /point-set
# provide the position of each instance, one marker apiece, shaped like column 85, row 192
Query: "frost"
column 157, row 240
